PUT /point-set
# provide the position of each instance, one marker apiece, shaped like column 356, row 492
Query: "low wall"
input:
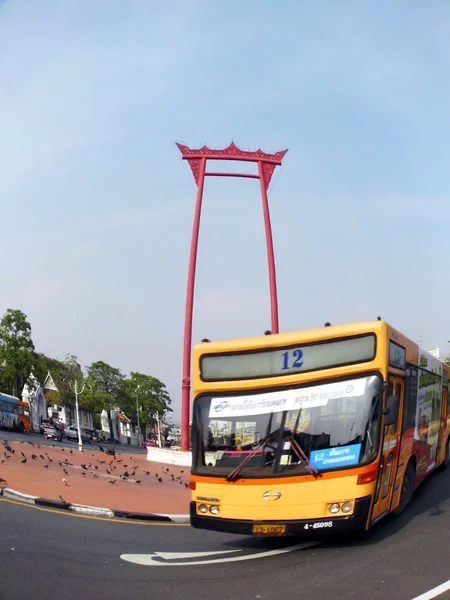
column 175, row 457
column 169, row 457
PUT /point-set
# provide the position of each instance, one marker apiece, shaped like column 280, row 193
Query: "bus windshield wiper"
column 302, row 456
column 235, row 473
column 298, row 449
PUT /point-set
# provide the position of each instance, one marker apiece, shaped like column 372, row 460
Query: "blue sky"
column 97, row 205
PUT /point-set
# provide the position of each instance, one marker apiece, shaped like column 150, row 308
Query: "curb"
column 92, row 511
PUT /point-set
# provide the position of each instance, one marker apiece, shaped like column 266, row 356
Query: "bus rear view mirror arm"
column 391, row 411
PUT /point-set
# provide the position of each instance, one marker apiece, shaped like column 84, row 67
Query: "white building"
column 122, row 427
column 34, row 394
column 41, row 408
column 66, row 414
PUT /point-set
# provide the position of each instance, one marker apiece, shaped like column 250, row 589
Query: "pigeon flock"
column 108, row 465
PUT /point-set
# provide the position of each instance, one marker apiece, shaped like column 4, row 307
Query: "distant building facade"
column 40, row 397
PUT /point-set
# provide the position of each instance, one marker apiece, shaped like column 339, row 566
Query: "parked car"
column 44, row 422
column 52, row 430
column 72, row 434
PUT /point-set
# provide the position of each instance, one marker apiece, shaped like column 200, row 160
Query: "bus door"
column 390, row 452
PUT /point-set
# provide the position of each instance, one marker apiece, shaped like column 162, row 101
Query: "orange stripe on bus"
column 288, row 479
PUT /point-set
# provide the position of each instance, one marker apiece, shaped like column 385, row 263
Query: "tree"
column 104, row 389
column 17, row 355
column 67, row 373
column 44, row 364
column 64, row 373
column 147, row 394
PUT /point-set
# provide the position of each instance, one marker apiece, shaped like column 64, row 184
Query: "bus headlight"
column 334, row 508
column 202, row 508
column 346, row 507
column 214, row 510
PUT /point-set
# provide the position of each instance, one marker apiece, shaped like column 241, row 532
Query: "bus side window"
column 445, row 401
column 448, row 403
column 409, row 411
column 398, row 393
column 389, row 392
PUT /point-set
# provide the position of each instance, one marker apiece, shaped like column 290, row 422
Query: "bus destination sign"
column 287, row 361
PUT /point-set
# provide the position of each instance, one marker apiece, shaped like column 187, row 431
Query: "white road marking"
column 183, row 555
column 435, row 592
column 148, row 560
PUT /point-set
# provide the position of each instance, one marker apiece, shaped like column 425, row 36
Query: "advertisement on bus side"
column 429, row 401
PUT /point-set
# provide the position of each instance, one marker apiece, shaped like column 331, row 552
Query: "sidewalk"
column 162, row 489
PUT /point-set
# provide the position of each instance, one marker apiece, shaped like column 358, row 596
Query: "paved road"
column 47, row 555
column 14, row 436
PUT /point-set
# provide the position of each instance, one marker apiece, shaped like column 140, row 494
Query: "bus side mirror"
column 391, row 411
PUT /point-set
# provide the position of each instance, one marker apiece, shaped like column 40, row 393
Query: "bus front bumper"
column 304, row 527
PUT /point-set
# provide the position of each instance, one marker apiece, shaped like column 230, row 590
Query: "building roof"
column 49, row 383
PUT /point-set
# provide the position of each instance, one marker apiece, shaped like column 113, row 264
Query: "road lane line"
column 435, row 592
column 106, row 519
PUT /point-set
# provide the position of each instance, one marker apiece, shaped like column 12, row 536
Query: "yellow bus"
column 324, row 430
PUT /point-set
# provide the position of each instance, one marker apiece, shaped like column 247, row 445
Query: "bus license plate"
column 271, row 530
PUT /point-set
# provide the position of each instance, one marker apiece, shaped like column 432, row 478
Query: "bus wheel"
column 21, row 427
column 407, row 492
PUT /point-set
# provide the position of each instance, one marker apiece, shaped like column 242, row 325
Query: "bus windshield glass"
column 287, row 432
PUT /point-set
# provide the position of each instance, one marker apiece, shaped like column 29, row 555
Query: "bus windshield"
column 326, row 426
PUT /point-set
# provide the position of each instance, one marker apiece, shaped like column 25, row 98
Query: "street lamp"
column 159, row 429
column 76, row 392
column 137, row 414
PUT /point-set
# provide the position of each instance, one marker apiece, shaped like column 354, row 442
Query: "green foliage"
column 151, row 396
column 17, row 355
column 104, row 388
column 64, row 374
column 67, row 376
column 52, row 397
column 43, row 365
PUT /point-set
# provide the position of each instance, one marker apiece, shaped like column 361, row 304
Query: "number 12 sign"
column 293, row 359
